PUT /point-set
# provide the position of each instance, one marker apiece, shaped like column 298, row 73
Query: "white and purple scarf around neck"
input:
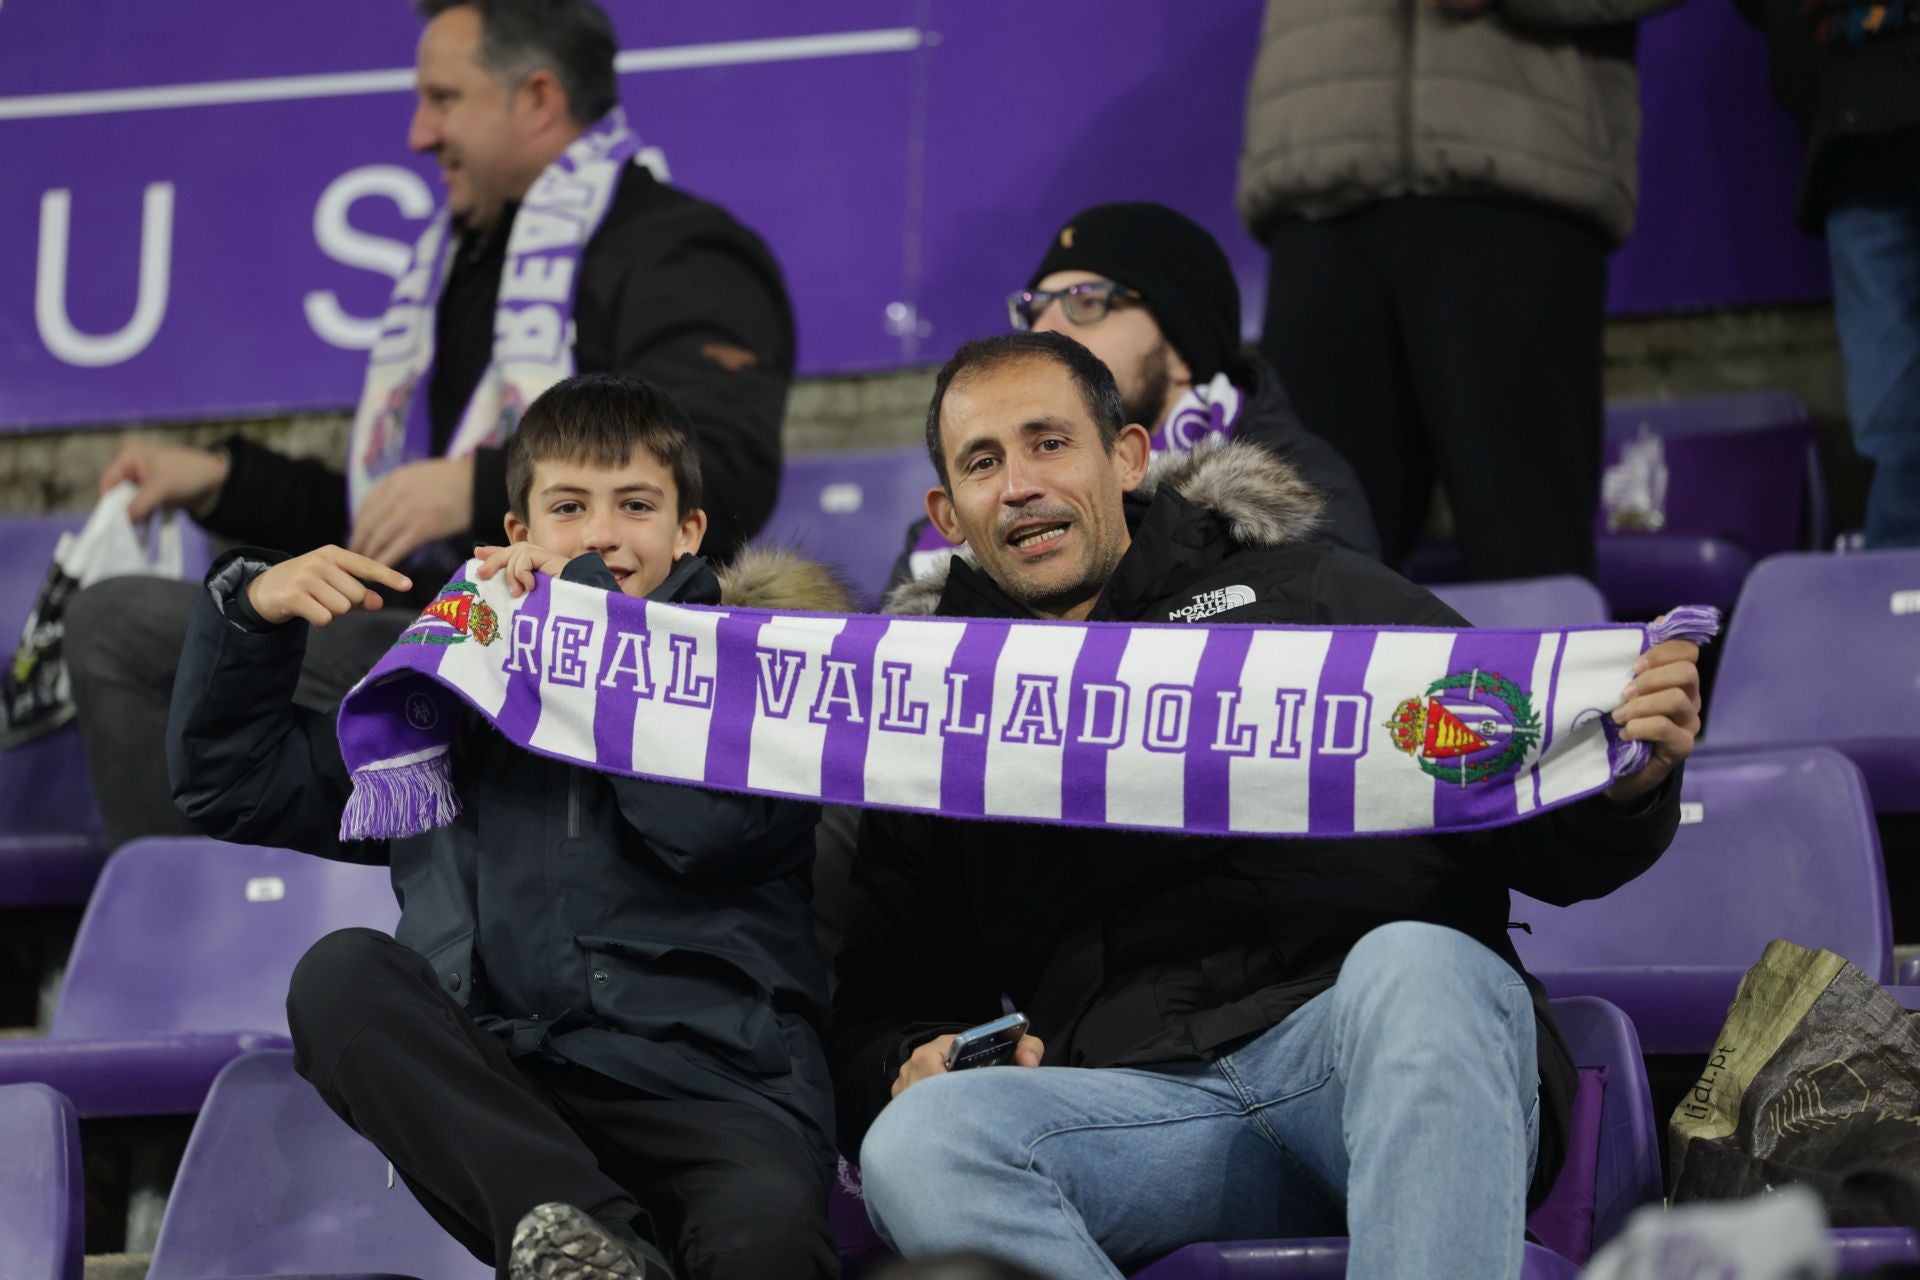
column 1217, row 730
column 532, row 322
column 1204, row 413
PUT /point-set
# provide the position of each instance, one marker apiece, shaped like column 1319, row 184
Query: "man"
column 668, row 287
column 1151, row 292
column 1240, row 1037
column 1439, row 183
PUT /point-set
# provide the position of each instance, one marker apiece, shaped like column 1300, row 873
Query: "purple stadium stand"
column 852, row 510
column 1826, row 649
column 1564, row 601
column 275, row 1184
column 181, row 965
column 41, row 1198
column 50, row 841
column 1772, row 844
column 1626, row 1173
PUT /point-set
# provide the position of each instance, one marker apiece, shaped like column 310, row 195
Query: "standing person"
column 1439, row 183
column 1850, row 75
column 548, row 230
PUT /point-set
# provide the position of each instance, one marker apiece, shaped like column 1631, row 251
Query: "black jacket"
column 1129, row 948
column 1850, row 99
column 1269, row 419
column 658, row 934
column 671, row 289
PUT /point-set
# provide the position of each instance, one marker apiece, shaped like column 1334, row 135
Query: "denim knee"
column 932, row 1128
column 1427, row 972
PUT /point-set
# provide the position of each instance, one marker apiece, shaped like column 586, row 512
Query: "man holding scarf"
column 1232, row 1037
column 553, row 254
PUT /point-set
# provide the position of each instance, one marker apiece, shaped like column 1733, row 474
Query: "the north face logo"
column 1208, row 603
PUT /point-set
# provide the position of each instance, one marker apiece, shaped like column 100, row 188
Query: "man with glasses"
column 1151, row 293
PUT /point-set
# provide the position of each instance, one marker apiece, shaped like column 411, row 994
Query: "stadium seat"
column 852, row 511
column 1626, row 1172
column 275, row 1184
column 1825, row 649
column 1564, row 601
column 51, row 849
column 1772, row 844
column 1867, row 1248
column 41, row 1198
column 181, row 965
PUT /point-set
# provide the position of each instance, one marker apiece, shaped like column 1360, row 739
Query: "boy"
column 594, row 1042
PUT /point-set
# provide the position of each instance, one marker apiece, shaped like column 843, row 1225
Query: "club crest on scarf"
column 1469, row 727
column 456, row 615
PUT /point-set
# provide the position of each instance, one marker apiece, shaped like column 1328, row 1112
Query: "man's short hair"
column 598, row 420
column 572, row 38
column 1090, row 374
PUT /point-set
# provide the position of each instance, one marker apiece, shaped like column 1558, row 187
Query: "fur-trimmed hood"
column 780, row 579
column 1263, row 500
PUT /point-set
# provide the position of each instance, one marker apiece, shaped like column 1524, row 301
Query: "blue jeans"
column 1873, row 237
column 1402, row 1105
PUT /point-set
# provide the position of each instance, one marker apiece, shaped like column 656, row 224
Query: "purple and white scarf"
column 532, row 324
column 1251, row 730
column 1209, row 412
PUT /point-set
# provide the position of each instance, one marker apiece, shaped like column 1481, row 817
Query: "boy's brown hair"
column 598, row 420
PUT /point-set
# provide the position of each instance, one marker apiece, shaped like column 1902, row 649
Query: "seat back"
column 1563, row 601
column 201, row 935
column 852, row 511
column 42, row 1197
column 1627, row 1173
column 1826, row 649
column 273, row 1183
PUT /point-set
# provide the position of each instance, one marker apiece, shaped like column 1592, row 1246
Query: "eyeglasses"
column 1086, row 303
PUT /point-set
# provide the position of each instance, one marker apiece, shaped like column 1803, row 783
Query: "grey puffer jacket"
column 1354, row 101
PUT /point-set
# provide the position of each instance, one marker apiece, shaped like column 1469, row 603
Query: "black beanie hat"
column 1168, row 259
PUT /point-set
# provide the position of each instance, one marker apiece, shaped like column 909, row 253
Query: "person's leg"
column 1332, row 334
column 1076, row 1173
column 398, row 1060
column 1502, row 308
column 1873, row 239
column 122, row 646
column 339, row 654
column 1414, row 1085
column 728, row 1189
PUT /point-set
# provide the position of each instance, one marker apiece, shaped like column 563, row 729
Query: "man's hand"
column 169, row 475
column 321, row 586
column 519, row 562
column 930, row 1059
column 413, row 505
column 1662, row 709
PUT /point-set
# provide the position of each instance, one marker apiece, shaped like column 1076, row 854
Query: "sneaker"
column 560, row 1242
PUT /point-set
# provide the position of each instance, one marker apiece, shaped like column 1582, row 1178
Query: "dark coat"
column 672, row 289
column 1127, row 948
column 1269, row 420
column 658, row 934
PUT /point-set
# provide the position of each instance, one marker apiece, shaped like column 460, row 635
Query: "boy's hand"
column 519, row 562
column 1662, row 709
column 321, row 586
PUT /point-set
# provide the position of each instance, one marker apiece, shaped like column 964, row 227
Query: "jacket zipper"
column 573, row 804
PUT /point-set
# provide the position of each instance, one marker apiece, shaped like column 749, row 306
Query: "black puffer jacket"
column 1137, row 948
column 658, row 934
column 1269, row 420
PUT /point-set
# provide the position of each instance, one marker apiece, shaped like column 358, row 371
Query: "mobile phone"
column 988, row 1045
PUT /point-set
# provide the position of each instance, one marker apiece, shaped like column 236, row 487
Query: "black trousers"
column 1460, row 338
column 722, row 1188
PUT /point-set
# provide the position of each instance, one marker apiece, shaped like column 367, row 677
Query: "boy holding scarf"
column 596, row 1042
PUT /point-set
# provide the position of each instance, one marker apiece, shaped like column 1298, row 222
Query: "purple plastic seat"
column 1826, row 649
column 1626, row 1173
column 852, row 510
column 42, row 1201
column 1645, row 574
column 181, row 965
column 1772, row 844
column 275, row 1184
column 51, row 848
column 1564, row 601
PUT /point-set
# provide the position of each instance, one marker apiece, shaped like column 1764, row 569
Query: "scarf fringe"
column 401, row 800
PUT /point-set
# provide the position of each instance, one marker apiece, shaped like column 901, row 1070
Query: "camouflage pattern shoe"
column 560, row 1242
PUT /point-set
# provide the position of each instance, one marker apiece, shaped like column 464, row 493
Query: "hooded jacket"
column 1127, row 948
column 660, row 935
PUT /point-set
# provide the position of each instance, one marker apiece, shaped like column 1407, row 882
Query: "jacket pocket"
column 452, row 963
column 695, row 997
